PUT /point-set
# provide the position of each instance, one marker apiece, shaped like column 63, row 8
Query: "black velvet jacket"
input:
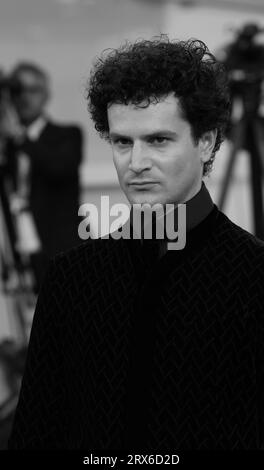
column 160, row 359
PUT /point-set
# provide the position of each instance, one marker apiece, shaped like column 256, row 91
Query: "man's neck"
column 197, row 209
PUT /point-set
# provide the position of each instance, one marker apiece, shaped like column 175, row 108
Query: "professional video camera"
column 244, row 61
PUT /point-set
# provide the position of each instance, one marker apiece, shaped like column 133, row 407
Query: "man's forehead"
column 161, row 112
column 28, row 77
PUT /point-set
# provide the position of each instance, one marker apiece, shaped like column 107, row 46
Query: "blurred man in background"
column 43, row 161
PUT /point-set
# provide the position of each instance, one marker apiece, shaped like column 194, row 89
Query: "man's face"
column 154, row 152
column 30, row 96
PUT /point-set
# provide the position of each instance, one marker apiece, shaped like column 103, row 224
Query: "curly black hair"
column 148, row 70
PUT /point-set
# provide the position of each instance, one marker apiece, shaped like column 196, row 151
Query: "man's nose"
column 140, row 159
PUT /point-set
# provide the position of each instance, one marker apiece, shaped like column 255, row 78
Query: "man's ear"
column 206, row 144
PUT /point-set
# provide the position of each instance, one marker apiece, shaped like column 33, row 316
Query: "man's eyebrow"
column 115, row 135
column 161, row 133
column 158, row 133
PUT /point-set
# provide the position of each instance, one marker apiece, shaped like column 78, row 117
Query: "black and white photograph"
column 132, row 231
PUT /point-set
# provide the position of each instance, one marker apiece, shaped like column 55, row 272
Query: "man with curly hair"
column 163, row 352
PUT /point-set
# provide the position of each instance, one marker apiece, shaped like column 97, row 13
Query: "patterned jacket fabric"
column 167, row 356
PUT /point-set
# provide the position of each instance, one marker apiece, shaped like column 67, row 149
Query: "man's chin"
column 150, row 200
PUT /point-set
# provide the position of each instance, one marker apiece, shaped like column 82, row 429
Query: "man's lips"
column 142, row 183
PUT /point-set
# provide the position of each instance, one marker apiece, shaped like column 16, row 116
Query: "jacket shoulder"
column 238, row 233
column 70, row 129
column 241, row 245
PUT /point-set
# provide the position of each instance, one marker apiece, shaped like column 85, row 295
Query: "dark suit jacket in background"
column 54, row 195
column 165, row 359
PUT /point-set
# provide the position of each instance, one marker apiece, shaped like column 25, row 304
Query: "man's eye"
column 122, row 142
column 159, row 140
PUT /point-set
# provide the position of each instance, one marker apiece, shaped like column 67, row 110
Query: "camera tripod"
column 246, row 134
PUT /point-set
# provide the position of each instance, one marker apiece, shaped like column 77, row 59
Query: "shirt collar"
column 198, row 207
column 34, row 130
